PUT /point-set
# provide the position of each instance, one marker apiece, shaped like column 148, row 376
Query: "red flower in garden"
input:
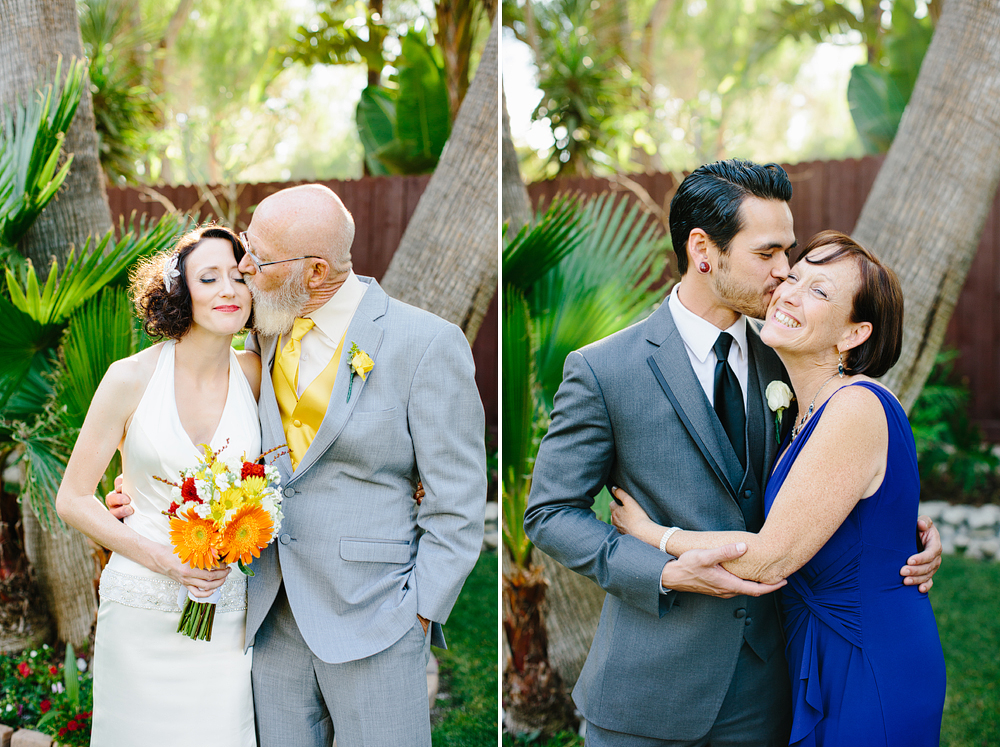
column 45, row 705
column 63, row 731
column 189, row 492
column 23, row 669
column 53, row 670
column 72, row 726
column 251, row 470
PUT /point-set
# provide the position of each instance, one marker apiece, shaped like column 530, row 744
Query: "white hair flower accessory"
column 170, row 272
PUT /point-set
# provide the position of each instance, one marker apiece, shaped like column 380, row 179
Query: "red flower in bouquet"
column 251, row 469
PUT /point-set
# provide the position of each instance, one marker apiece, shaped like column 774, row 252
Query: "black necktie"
column 729, row 398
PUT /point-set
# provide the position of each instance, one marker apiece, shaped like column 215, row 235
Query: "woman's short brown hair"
column 878, row 301
column 168, row 313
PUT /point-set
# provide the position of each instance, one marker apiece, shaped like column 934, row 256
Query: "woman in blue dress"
column 841, row 503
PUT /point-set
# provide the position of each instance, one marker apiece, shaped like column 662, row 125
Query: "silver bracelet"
column 667, row 534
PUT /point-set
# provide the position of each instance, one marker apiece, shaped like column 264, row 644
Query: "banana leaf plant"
column 584, row 270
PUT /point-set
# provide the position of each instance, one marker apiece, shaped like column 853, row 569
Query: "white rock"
column 974, row 550
column 961, row 541
column 955, row 514
column 982, row 517
column 933, row 509
column 492, row 510
column 990, row 548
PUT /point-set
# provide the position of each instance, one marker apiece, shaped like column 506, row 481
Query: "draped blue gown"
column 863, row 651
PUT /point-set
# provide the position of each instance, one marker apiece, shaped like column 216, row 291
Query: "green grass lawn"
column 467, row 717
column 966, row 601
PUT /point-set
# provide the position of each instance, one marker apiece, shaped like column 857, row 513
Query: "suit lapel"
column 758, row 445
column 672, row 368
column 363, row 331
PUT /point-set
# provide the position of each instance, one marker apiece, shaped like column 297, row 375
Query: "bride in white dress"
column 153, row 685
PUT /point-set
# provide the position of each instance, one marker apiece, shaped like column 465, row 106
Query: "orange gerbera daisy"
column 195, row 540
column 246, row 534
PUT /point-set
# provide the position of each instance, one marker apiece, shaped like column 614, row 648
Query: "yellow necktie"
column 287, row 363
column 301, row 417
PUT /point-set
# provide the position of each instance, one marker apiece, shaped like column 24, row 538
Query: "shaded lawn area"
column 966, row 601
column 467, row 717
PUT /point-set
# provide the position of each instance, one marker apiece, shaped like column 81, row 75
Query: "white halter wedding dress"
column 152, row 685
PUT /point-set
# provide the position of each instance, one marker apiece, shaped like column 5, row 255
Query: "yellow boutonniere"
column 779, row 397
column 360, row 363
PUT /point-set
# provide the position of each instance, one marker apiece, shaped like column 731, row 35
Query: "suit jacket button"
column 284, row 539
column 748, row 494
column 289, row 492
column 738, row 614
column 748, row 620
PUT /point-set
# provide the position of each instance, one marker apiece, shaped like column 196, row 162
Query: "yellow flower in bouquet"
column 223, row 511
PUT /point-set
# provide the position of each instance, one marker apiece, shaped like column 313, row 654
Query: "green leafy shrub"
column 955, row 461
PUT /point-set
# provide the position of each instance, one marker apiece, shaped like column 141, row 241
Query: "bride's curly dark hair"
column 168, row 313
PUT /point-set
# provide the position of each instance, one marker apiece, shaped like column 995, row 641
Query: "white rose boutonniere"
column 361, row 364
column 779, row 397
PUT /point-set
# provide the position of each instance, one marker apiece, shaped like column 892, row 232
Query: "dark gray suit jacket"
column 630, row 412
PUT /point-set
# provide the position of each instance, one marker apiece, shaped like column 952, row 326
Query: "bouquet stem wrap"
column 198, row 614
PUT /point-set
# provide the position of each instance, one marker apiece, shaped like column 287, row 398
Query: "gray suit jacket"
column 358, row 557
column 630, row 412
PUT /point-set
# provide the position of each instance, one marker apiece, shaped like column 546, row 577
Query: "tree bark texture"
column 447, row 259
column 516, row 205
column 33, row 34
column 534, row 695
column 64, row 563
column 926, row 210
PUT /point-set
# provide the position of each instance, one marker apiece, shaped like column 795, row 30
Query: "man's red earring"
column 703, row 267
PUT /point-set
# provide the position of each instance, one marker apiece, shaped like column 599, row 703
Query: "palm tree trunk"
column 516, row 205
column 534, row 696
column 33, row 34
column 447, row 259
column 926, row 210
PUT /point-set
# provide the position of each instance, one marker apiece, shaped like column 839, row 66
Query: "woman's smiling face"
column 220, row 300
column 811, row 310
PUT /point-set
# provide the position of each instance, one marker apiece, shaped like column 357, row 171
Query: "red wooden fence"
column 830, row 195
column 381, row 206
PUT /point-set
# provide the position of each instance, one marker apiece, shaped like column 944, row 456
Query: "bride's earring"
column 840, row 366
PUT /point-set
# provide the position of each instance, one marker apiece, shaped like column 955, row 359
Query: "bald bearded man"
column 346, row 602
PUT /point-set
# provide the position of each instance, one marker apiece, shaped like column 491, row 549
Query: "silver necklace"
column 803, row 419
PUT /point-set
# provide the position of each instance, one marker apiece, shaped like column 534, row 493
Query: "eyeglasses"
column 261, row 265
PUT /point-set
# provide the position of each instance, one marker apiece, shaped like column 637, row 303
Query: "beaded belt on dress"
column 161, row 593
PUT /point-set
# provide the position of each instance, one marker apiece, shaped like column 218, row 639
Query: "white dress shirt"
column 331, row 322
column 699, row 337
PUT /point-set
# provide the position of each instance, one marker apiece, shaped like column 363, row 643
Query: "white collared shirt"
column 699, row 337
column 331, row 322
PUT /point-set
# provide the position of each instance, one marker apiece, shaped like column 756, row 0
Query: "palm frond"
column 87, row 273
column 46, row 445
column 519, row 427
column 536, row 249
column 32, row 138
column 99, row 333
column 606, row 284
column 24, row 346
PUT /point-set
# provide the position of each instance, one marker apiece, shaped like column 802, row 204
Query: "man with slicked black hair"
column 673, row 410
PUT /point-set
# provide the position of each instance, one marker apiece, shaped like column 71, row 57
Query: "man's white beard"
column 274, row 312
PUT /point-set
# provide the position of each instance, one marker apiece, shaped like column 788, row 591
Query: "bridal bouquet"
column 223, row 511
